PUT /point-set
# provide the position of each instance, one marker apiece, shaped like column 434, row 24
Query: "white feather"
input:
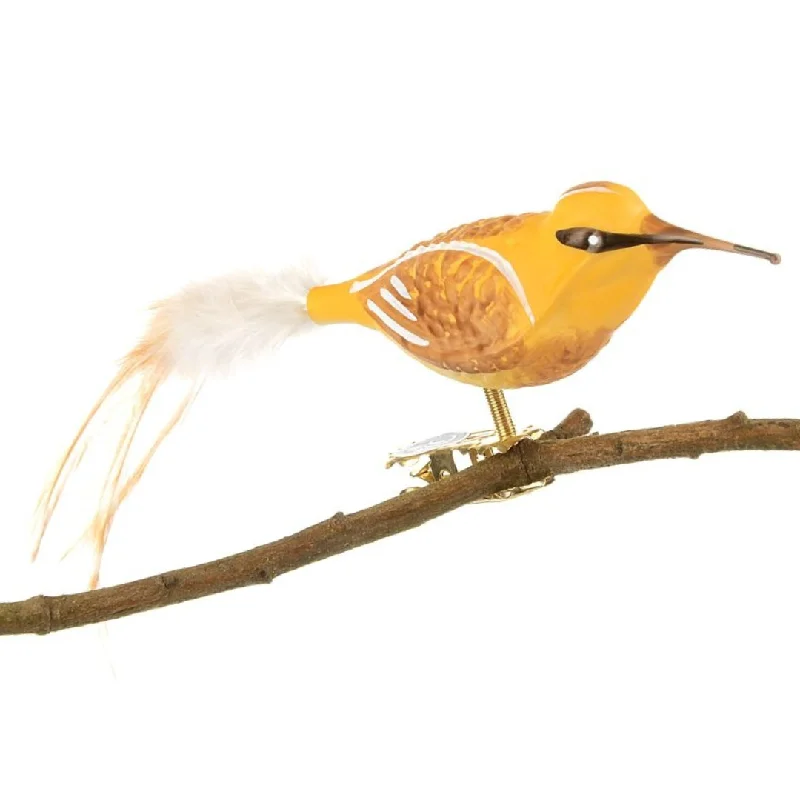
column 213, row 326
column 205, row 329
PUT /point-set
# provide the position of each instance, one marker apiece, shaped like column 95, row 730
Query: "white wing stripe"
column 501, row 263
column 586, row 189
column 399, row 287
column 410, row 337
column 397, row 305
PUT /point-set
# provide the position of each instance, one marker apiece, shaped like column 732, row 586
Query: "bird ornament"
column 502, row 303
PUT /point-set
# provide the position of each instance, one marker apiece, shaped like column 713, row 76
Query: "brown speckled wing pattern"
column 452, row 308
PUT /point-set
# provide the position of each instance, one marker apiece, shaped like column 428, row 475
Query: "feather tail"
column 141, row 375
column 203, row 330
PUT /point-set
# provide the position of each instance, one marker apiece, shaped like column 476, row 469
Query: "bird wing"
column 452, row 303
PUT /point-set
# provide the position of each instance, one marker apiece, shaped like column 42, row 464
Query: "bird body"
column 501, row 303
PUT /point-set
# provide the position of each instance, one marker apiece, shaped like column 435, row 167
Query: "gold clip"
column 437, row 458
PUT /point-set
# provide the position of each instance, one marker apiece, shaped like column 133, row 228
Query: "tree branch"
column 565, row 449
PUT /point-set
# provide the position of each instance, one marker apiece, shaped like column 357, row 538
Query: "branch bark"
column 564, row 450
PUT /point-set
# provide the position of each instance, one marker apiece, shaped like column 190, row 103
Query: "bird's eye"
column 589, row 239
column 594, row 242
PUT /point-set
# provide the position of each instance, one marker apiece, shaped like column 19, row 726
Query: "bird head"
column 607, row 217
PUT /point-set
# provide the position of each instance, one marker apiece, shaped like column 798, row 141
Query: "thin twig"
column 565, row 449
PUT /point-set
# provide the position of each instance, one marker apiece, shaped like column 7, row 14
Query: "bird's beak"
column 674, row 239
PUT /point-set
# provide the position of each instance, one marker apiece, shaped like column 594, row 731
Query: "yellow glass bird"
column 518, row 300
column 501, row 303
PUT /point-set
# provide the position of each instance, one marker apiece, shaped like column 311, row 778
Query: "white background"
column 632, row 633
